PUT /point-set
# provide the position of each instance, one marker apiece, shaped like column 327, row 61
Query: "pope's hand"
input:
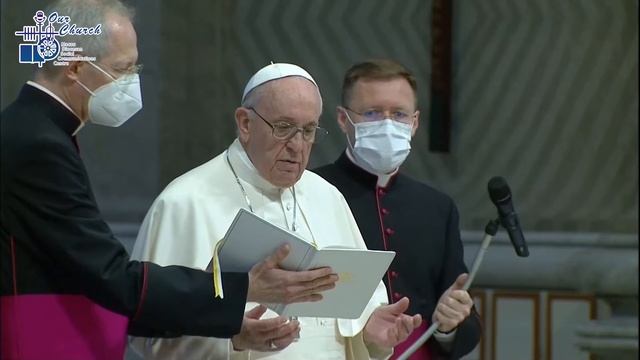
column 265, row 335
column 388, row 325
column 268, row 283
column 454, row 306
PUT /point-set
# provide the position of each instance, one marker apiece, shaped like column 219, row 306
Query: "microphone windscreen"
column 498, row 189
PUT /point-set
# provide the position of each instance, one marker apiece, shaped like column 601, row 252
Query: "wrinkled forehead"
column 291, row 93
column 122, row 40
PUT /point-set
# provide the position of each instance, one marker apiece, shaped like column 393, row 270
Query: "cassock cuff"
column 445, row 338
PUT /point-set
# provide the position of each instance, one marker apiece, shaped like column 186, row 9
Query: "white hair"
column 88, row 13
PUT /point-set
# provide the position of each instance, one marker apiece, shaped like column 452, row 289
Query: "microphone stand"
column 490, row 231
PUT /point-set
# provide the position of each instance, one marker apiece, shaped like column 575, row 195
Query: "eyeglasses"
column 378, row 115
column 133, row 69
column 285, row 131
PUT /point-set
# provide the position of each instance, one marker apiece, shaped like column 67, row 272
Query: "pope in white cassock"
column 263, row 171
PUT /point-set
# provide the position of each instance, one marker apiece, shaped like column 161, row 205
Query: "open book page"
column 251, row 239
column 359, row 271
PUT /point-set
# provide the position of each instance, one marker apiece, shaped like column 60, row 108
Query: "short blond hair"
column 375, row 69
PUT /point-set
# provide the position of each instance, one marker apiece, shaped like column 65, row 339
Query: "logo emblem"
column 41, row 42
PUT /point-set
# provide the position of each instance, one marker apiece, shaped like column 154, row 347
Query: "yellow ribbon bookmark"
column 216, row 273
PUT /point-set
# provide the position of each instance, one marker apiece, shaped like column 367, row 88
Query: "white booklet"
column 251, row 239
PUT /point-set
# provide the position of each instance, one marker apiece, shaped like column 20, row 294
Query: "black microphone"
column 501, row 196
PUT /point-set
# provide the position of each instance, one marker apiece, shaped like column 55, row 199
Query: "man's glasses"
column 133, row 69
column 285, row 131
column 378, row 115
column 118, row 72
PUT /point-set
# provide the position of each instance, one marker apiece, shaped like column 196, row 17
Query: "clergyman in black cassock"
column 395, row 212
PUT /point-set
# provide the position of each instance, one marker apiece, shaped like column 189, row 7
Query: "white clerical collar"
column 383, row 179
column 50, row 93
column 247, row 171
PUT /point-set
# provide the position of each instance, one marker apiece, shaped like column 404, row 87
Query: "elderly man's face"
column 293, row 100
column 119, row 59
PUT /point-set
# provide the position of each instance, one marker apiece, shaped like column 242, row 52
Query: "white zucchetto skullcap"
column 274, row 72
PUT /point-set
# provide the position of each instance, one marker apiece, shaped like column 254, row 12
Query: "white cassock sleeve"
column 172, row 233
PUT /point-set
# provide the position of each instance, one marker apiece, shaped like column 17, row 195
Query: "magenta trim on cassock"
column 60, row 327
column 422, row 353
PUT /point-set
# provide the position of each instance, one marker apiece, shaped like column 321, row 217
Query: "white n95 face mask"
column 381, row 146
column 116, row 102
